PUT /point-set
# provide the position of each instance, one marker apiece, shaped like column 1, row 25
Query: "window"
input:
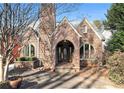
column 84, row 29
column 86, row 51
column 29, row 50
column 26, row 50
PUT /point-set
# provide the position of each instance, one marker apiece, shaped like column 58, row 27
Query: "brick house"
column 70, row 47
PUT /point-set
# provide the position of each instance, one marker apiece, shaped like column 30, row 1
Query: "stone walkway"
column 87, row 78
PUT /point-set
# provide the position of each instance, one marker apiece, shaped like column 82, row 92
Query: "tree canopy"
column 15, row 21
column 115, row 21
column 115, row 17
column 98, row 23
column 117, row 42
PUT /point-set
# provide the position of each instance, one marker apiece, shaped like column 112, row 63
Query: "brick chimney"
column 47, row 27
column 48, row 18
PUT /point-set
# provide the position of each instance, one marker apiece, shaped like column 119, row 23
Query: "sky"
column 92, row 11
column 77, row 11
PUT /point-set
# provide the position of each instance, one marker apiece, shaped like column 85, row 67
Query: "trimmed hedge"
column 26, row 59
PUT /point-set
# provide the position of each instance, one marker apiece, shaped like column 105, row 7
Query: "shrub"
column 116, row 75
column 4, row 85
column 23, row 59
column 18, row 59
column 116, row 67
column 26, row 59
column 29, row 59
column 34, row 58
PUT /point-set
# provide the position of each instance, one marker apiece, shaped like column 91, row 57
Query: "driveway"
column 87, row 78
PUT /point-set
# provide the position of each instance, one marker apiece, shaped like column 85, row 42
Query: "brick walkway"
column 87, row 78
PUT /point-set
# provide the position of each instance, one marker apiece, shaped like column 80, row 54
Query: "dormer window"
column 84, row 29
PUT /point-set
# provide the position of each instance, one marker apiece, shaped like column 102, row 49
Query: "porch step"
column 65, row 70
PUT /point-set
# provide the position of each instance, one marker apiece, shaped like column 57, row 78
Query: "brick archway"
column 64, row 52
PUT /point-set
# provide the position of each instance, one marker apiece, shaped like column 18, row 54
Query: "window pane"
column 26, row 50
column 32, row 50
column 84, row 29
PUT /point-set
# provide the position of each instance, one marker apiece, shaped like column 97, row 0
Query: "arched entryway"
column 64, row 52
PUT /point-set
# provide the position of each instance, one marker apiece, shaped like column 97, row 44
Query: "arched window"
column 86, row 51
column 29, row 50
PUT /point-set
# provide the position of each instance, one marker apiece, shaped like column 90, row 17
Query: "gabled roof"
column 35, row 28
column 65, row 19
column 100, row 36
column 32, row 32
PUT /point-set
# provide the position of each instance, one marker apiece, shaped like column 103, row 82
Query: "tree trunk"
column 6, row 70
column 1, row 70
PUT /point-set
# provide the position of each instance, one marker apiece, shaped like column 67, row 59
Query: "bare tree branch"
column 15, row 21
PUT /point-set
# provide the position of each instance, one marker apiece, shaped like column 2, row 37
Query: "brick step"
column 65, row 70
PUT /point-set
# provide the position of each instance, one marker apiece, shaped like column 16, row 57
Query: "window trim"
column 89, row 55
column 29, row 50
